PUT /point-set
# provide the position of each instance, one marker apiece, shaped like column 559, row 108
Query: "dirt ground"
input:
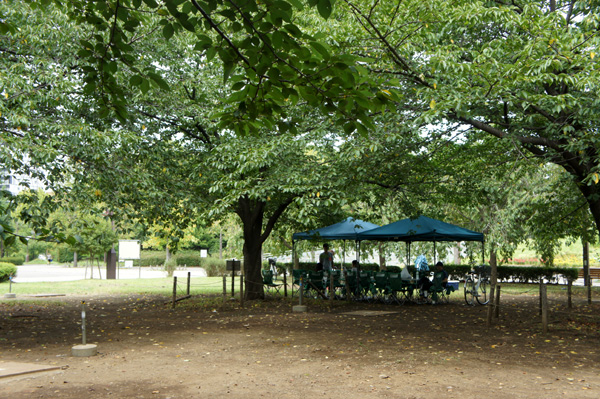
column 204, row 349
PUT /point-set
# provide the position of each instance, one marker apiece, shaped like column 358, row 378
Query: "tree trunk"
column 382, row 265
column 251, row 212
column 253, row 264
column 457, row 254
column 168, row 254
column 493, row 281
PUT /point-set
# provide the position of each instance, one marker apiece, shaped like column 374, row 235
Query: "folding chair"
column 439, row 292
column 315, row 284
column 268, row 282
column 381, row 286
column 397, row 289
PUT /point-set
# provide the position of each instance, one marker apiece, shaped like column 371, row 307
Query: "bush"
column 170, row 266
column 189, row 259
column 152, row 260
column 6, row 271
column 15, row 260
column 214, row 267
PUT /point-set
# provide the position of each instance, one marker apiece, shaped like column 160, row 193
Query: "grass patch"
column 534, row 289
column 146, row 286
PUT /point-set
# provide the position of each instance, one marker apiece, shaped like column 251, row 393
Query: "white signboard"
column 204, row 253
column 129, row 249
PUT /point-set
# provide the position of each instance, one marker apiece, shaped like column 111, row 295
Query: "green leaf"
column 321, row 49
column 151, row 3
column 325, row 8
column 159, row 81
column 168, row 31
column 136, row 80
column 227, row 68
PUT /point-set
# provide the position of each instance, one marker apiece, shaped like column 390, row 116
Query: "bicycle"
column 477, row 286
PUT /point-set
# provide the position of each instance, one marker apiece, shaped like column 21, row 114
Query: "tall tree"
column 525, row 72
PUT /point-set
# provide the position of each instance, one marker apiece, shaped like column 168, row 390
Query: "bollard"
column 300, row 308
column 83, row 332
column 84, row 349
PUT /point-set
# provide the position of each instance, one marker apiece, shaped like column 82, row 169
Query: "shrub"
column 170, row 266
column 152, row 260
column 66, row 256
column 189, row 259
column 6, row 271
column 214, row 267
column 15, row 260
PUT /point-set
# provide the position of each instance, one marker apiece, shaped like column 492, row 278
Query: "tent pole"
column 434, row 254
column 343, row 257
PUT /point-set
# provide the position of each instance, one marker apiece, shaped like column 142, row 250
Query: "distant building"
column 15, row 183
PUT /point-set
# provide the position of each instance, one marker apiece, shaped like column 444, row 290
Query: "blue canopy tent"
column 348, row 229
column 422, row 228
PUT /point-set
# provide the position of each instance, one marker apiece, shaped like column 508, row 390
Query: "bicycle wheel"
column 484, row 288
column 469, row 289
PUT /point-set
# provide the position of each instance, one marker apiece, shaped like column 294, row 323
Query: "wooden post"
column 497, row 305
column 301, row 288
column 491, row 305
column 541, row 304
column 285, row 282
column 242, row 289
column 347, row 285
column 544, row 299
column 330, row 287
column 569, row 294
column 224, row 287
column 188, row 283
column 174, row 291
column 233, row 282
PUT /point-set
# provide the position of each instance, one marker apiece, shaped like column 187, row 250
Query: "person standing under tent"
column 326, row 258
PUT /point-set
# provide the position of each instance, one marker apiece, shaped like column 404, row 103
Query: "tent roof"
column 345, row 230
column 420, row 229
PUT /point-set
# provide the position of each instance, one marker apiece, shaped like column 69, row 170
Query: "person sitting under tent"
column 440, row 274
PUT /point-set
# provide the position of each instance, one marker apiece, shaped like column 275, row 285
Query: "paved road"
column 47, row 273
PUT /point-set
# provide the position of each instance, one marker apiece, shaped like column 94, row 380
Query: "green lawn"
column 160, row 286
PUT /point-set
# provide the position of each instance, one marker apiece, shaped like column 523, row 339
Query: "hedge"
column 7, row 270
column 519, row 274
column 15, row 260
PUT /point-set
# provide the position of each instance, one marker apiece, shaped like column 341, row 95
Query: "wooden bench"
column 594, row 273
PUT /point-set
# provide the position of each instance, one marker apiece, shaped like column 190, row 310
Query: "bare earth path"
column 147, row 350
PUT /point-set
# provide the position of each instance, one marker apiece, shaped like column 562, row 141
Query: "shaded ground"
column 147, row 350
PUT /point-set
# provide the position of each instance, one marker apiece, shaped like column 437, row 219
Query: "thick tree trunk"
column 253, row 265
column 252, row 214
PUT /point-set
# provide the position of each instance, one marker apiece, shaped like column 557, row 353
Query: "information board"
column 129, row 249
